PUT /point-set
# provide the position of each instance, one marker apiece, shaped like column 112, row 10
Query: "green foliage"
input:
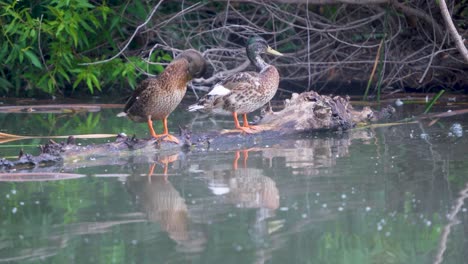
column 42, row 45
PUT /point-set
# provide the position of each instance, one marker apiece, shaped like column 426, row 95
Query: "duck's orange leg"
column 246, row 123
column 168, row 137
column 165, row 134
column 150, row 126
column 238, row 126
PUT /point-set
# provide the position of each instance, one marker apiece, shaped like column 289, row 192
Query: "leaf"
column 95, row 81
column 159, row 68
column 32, row 33
column 13, row 55
column 3, row 50
column 78, row 80
column 63, row 73
column 50, row 86
column 60, row 28
column 104, row 11
column 84, row 4
column 20, row 56
column 73, row 33
column 33, row 58
column 5, row 84
column 90, row 84
column 86, row 26
column 166, row 57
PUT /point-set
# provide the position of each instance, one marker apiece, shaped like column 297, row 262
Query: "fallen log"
column 302, row 113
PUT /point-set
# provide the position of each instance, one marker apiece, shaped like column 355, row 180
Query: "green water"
column 379, row 195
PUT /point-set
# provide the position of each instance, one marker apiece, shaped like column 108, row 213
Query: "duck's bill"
column 274, row 52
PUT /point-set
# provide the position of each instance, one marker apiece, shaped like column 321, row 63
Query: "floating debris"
column 456, row 130
column 424, row 136
column 238, row 248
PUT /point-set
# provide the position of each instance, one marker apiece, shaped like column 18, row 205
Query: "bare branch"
column 453, row 31
column 130, row 40
column 417, row 13
column 323, row 48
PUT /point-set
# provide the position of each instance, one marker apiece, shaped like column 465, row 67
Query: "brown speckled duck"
column 156, row 98
column 243, row 92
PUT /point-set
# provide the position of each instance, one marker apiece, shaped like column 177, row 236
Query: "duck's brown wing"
column 240, row 79
column 137, row 92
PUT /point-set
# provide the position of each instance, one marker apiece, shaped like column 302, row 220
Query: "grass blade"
column 433, row 101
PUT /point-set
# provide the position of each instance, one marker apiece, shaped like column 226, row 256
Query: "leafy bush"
column 42, row 44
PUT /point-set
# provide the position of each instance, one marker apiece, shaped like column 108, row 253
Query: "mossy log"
column 302, row 114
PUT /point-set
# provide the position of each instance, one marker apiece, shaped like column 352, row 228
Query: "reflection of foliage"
column 89, row 124
column 33, row 212
column 400, row 241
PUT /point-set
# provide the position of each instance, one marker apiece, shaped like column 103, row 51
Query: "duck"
column 243, row 92
column 157, row 97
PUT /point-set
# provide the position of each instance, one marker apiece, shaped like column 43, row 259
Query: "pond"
column 389, row 194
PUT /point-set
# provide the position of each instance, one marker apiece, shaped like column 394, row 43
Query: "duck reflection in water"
column 163, row 204
column 248, row 188
column 245, row 187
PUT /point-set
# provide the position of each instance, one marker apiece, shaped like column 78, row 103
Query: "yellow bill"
column 274, row 52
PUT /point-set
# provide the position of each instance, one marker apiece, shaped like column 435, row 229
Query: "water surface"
column 378, row 195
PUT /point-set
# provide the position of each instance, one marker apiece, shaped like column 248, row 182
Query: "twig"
column 453, row 31
column 216, row 77
column 318, row 44
column 376, row 62
column 129, row 41
column 39, row 43
column 417, row 13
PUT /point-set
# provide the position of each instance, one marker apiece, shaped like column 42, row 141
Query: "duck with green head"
column 156, row 98
column 243, row 92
